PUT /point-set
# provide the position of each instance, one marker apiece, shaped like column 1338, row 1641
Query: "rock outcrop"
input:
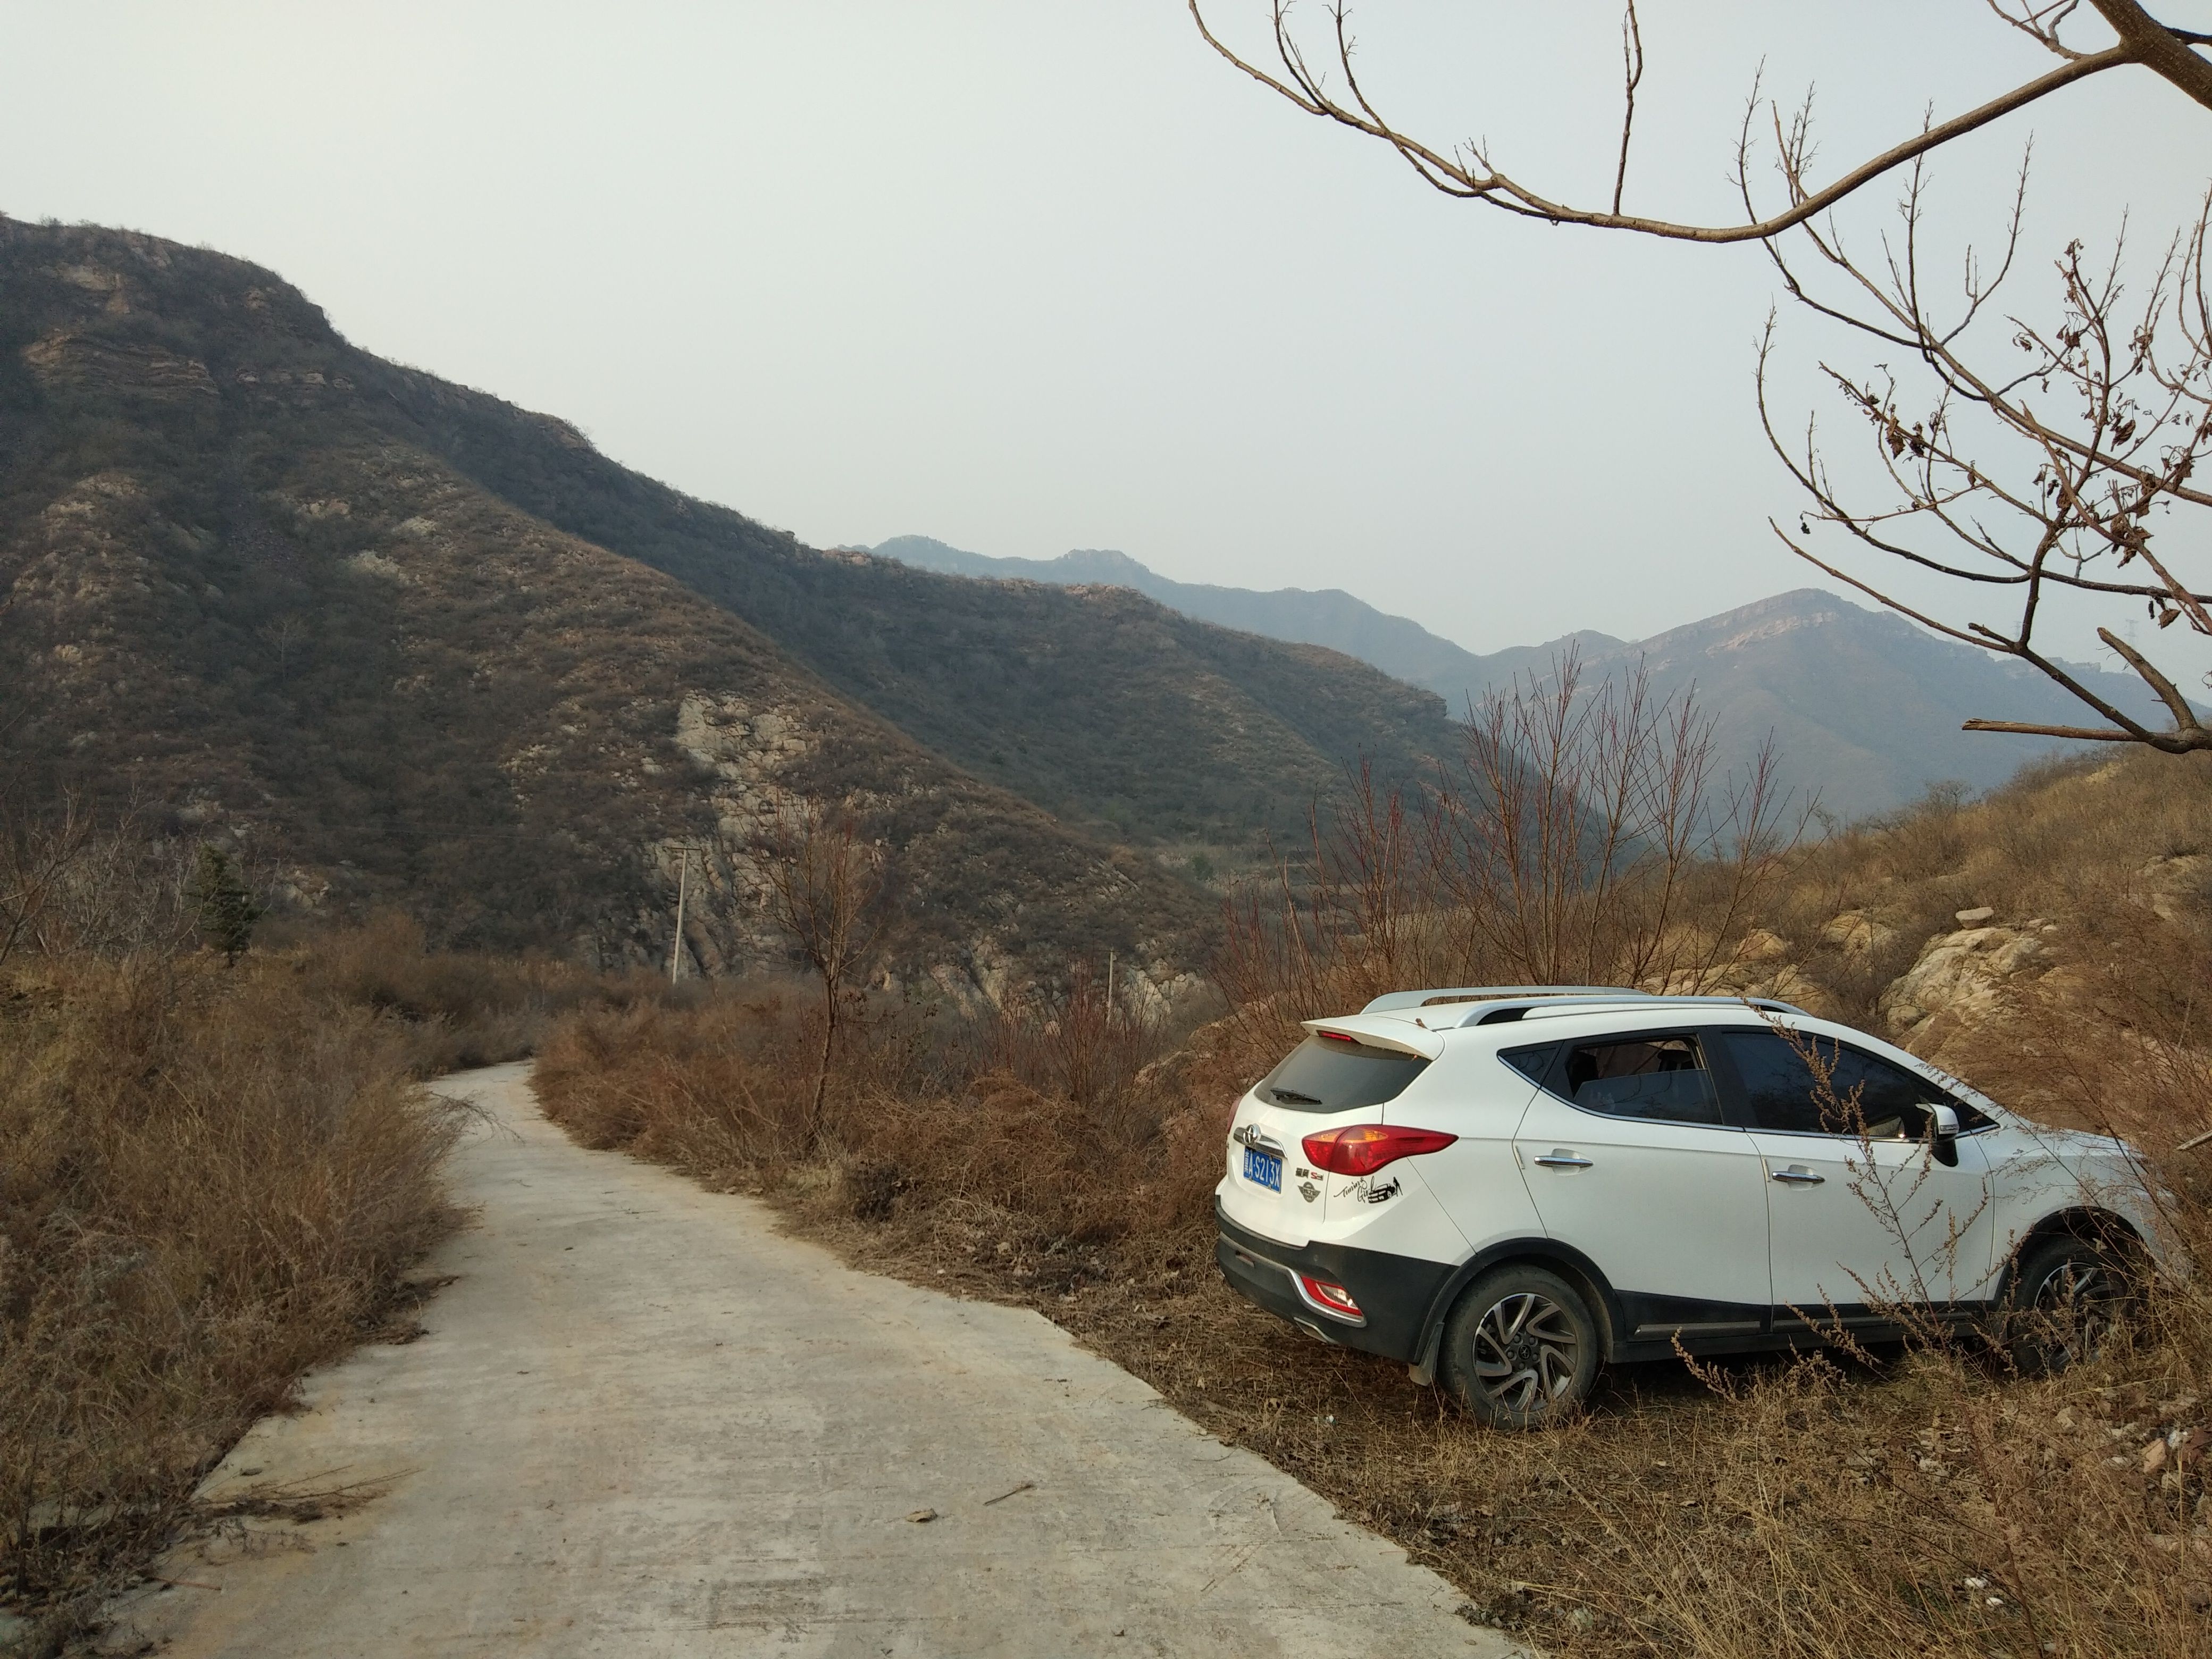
column 1856, row 933
column 1963, row 978
column 2178, row 884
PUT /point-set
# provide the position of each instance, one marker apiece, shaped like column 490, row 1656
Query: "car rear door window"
column 1784, row 1092
column 1660, row 1077
column 1328, row 1074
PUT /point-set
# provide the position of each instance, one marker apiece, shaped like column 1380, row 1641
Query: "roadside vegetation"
column 218, row 1167
column 1060, row 1153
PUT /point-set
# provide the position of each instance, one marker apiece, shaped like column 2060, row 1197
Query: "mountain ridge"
column 400, row 642
column 1864, row 707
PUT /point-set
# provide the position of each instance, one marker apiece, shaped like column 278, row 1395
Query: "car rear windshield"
column 1338, row 1074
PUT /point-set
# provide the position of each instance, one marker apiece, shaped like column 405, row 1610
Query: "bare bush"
column 826, row 887
column 1583, row 838
column 38, row 855
column 208, row 1183
column 454, row 1009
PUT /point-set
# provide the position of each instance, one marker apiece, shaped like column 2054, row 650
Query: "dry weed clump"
column 457, row 1009
column 986, row 1108
column 210, row 1181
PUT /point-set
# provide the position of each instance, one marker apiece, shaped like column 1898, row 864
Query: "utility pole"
column 676, row 950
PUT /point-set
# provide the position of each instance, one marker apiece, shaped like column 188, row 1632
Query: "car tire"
column 1520, row 1348
column 2060, row 1303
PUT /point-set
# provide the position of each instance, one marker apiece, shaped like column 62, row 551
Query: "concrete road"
column 644, row 1423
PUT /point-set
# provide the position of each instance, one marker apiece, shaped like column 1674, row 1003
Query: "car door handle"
column 1798, row 1176
column 1560, row 1158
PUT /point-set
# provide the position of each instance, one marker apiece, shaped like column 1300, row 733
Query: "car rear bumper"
column 1395, row 1293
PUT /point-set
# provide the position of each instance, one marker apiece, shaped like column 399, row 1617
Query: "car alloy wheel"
column 1521, row 1348
column 2065, row 1293
column 1526, row 1351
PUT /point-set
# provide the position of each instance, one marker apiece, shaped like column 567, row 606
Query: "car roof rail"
column 1393, row 1000
column 1511, row 1009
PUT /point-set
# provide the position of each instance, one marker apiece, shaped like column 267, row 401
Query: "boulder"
column 1761, row 945
column 1968, row 975
column 1856, row 933
column 1785, row 981
column 2178, row 884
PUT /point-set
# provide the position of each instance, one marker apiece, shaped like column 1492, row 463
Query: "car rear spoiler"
column 1403, row 1034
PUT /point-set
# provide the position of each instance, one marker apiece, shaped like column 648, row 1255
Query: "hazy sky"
column 1028, row 274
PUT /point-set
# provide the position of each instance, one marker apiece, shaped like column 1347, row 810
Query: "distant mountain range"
column 1864, row 707
column 403, row 643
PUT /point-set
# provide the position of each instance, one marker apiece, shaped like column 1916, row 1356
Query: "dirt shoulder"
column 1922, row 1496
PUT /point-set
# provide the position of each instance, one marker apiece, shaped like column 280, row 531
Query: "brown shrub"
column 458, row 1009
column 1012, row 1112
column 208, row 1182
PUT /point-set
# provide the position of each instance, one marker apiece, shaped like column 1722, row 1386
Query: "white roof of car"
column 1419, row 1028
column 1496, row 999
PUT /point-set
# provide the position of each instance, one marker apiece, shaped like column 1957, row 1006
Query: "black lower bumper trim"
column 1394, row 1292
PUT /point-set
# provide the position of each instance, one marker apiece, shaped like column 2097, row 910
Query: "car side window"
column 1785, row 1090
column 1533, row 1063
column 1662, row 1077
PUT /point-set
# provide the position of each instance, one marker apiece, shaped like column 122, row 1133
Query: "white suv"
column 1503, row 1186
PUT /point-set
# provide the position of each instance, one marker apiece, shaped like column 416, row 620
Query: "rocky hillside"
column 1119, row 716
column 1983, row 935
column 1865, row 709
column 399, row 642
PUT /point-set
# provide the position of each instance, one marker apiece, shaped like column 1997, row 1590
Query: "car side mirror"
column 1947, row 1134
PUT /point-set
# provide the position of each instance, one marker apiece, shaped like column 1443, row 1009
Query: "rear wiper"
column 1292, row 1098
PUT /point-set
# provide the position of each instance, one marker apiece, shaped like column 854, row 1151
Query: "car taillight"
column 1363, row 1148
column 1331, row 1296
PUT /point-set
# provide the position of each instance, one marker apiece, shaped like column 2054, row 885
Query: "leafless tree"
column 1584, row 836
column 824, row 883
column 1589, row 839
column 285, row 636
column 38, row 852
column 2047, row 473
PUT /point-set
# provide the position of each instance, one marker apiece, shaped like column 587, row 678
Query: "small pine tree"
column 227, row 910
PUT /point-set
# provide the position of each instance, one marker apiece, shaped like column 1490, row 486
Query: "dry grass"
column 210, row 1181
column 1930, row 1501
column 2100, row 845
column 457, row 1009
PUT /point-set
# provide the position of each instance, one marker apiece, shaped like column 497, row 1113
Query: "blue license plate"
column 1263, row 1168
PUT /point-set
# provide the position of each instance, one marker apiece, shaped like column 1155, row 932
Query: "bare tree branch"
column 1631, row 52
column 2162, row 50
column 2104, row 429
column 1469, row 175
column 2184, row 717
